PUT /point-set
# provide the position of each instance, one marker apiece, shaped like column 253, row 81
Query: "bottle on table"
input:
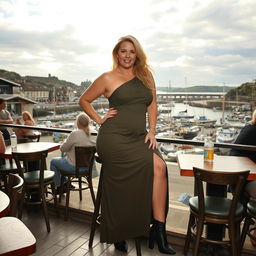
column 13, row 141
column 208, row 149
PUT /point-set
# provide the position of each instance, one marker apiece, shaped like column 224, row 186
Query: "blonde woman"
column 135, row 175
column 79, row 137
column 27, row 120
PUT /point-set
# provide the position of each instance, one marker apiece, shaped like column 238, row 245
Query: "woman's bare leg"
column 159, row 189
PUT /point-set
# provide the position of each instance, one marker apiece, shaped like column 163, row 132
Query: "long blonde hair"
column 253, row 121
column 30, row 118
column 141, row 68
column 84, row 121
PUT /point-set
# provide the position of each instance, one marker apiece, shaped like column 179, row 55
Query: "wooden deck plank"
column 71, row 247
column 79, row 252
column 71, row 238
column 49, row 251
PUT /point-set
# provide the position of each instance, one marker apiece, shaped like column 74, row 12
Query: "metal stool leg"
column 138, row 248
column 96, row 211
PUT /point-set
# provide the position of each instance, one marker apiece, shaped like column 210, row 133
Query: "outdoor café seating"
column 33, row 137
column 36, row 182
column 8, row 166
column 217, row 210
column 14, row 191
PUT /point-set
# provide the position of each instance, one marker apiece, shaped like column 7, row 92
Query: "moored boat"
column 226, row 135
column 183, row 114
column 203, row 120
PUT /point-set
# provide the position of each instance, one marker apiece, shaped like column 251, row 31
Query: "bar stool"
column 250, row 215
column 84, row 158
column 96, row 214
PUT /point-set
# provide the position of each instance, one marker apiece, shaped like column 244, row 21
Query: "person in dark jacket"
column 247, row 136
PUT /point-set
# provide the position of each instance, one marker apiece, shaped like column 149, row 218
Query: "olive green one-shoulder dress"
column 127, row 165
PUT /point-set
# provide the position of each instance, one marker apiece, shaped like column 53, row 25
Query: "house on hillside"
column 8, row 87
column 39, row 93
column 16, row 104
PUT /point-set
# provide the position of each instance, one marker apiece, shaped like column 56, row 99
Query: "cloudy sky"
column 205, row 42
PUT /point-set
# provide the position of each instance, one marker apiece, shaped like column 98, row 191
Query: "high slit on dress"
column 127, row 165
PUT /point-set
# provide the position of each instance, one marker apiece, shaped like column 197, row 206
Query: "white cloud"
column 208, row 41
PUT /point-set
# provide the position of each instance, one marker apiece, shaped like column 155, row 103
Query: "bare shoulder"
column 107, row 77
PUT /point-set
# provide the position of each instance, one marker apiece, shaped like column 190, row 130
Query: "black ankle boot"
column 121, row 246
column 158, row 235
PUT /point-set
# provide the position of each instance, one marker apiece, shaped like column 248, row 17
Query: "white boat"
column 203, row 120
column 45, row 124
column 232, row 118
column 167, row 134
column 200, row 137
column 165, row 108
column 183, row 114
column 226, row 135
column 247, row 119
column 167, row 148
column 188, row 132
column 215, row 109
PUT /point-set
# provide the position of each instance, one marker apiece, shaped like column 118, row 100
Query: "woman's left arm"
column 2, row 143
column 152, row 118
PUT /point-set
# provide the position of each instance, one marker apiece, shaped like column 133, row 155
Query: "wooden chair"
column 250, row 216
column 36, row 182
column 8, row 166
column 33, row 137
column 84, row 159
column 217, row 210
column 15, row 238
column 14, row 191
column 96, row 214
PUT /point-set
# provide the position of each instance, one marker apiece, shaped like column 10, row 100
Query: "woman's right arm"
column 97, row 89
column 68, row 142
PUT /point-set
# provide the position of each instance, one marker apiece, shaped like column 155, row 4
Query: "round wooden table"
column 4, row 204
column 30, row 147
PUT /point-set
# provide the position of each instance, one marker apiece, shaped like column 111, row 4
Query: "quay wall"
column 43, row 109
column 215, row 104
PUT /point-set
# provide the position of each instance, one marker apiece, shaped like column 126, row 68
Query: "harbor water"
column 197, row 112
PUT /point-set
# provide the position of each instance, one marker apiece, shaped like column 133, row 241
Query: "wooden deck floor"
column 71, row 238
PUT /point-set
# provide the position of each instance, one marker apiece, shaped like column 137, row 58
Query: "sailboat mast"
column 186, row 92
column 169, row 90
column 223, row 103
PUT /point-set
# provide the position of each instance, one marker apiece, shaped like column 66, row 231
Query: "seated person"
column 27, row 120
column 247, row 136
column 2, row 150
column 79, row 137
column 2, row 143
column 5, row 118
